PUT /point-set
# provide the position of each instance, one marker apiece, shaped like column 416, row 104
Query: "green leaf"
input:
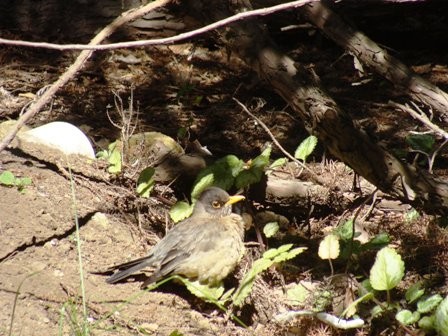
column 414, row 292
column 247, row 178
column 376, row 311
column 145, row 182
column 270, row 229
column 278, row 163
column 202, row 184
column 428, row 304
column 427, row 323
column 24, row 181
column 297, row 294
column 255, row 172
column 114, row 158
column 441, row 318
column 204, row 292
column 247, row 282
column 329, row 247
column 411, row 216
column 421, row 142
column 7, row 178
column 406, row 317
column 269, row 258
column 180, row 211
column 345, row 231
column 287, row 255
column 306, row 148
column 366, row 286
column 274, row 252
column 176, row 333
column 377, row 242
column 388, row 269
column 223, row 171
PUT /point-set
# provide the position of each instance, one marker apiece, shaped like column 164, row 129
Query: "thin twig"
column 77, row 65
column 275, row 141
column 168, row 40
column 420, row 116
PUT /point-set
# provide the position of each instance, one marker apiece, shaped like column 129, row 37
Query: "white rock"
column 61, row 135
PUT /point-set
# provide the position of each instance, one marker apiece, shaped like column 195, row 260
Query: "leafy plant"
column 423, row 143
column 387, row 271
column 113, row 156
column 145, row 182
column 270, row 257
column 305, row 148
column 270, row 229
column 7, row 178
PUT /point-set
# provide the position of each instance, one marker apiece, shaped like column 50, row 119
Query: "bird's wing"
column 163, row 257
column 185, row 240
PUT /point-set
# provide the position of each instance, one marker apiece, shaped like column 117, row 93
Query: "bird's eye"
column 216, row 204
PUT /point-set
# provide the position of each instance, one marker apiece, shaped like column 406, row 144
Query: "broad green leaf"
column 297, row 294
column 180, row 211
column 421, row 142
column 176, row 333
column 204, row 292
column 23, row 181
column 414, row 292
column 145, row 182
column 270, row 229
column 255, row 171
column 223, row 171
column 114, row 159
column 202, row 184
column 366, row 286
column 262, row 160
column 406, row 317
column 7, row 178
column 247, row 178
column 428, row 304
column 388, row 269
column 427, row 323
column 377, row 242
column 329, row 247
column 278, row 163
column 345, row 231
column 305, row 148
column 441, row 318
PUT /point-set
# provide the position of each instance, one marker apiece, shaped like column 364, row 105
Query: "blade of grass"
column 16, row 297
column 78, row 247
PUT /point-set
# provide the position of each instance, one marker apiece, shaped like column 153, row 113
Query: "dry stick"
column 377, row 58
column 167, row 40
column 130, row 15
column 422, row 118
column 275, row 141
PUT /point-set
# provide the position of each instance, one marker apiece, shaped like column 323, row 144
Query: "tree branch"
column 78, row 64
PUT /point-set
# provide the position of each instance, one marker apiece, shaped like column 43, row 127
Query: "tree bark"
column 377, row 58
column 324, row 118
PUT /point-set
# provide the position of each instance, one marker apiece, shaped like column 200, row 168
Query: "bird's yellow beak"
column 235, row 198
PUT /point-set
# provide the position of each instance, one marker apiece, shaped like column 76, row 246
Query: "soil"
column 186, row 88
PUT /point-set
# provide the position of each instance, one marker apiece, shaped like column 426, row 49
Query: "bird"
column 206, row 247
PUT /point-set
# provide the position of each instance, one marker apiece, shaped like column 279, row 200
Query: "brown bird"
column 206, row 246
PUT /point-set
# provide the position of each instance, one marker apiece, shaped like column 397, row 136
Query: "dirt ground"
column 174, row 88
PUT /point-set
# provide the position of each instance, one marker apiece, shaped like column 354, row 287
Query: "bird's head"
column 216, row 202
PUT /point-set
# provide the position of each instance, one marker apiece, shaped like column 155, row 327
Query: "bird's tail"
column 129, row 268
